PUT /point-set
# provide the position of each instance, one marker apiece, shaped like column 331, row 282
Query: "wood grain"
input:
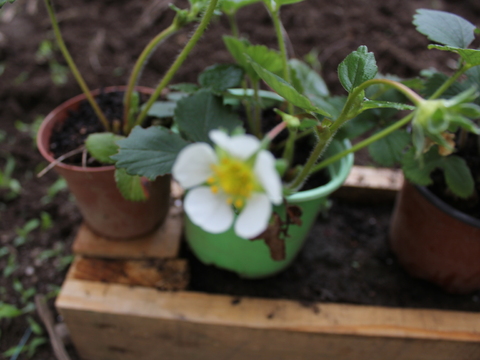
column 115, row 321
column 164, row 274
column 163, row 243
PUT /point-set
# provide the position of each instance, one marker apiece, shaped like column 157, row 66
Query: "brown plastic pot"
column 436, row 242
column 103, row 208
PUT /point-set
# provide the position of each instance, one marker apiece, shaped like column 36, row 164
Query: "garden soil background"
column 105, row 36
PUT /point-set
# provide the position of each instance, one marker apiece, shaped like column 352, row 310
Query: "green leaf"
column 36, row 328
column 34, row 344
column 444, row 28
column 286, row 90
column 418, row 170
column 130, row 186
column 9, row 311
column 433, row 82
column 163, row 109
column 470, row 56
column 311, row 82
column 458, row 176
column 221, row 77
column 103, row 145
column 149, row 152
column 358, row 67
column 371, row 104
column 202, row 112
column 389, row 150
column 241, row 50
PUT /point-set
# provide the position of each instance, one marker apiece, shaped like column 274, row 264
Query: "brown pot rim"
column 446, row 208
column 45, row 152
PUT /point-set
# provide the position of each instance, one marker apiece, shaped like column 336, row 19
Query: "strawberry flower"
column 235, row 177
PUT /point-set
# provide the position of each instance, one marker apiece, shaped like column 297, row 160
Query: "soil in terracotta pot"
column 72, row 133
column 105, row 37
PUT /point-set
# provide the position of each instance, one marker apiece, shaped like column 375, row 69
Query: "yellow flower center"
column 234, row 178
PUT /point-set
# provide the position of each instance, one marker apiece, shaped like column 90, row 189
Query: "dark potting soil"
column 346, row 259
column 71, row 134
column 470, row 152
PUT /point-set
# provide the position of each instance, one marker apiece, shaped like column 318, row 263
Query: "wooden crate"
column 124, row 322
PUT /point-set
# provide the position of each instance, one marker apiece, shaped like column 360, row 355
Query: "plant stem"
column 290, row 146
column 137, row 69
column 364, row 143
column 449, row 82
column 179, row 61
column 275, row 14
column 346, row 115
column 73, row 67
column 233, row 24
column 346, row 112
column 257, row 116
column 323, row 138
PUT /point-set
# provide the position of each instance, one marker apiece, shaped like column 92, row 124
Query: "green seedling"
column 21, row 78
column 64, row 262
column 32, row 128
column 8, row 183
column 46, row 54
column 46, row 221
column 22, row 233
column 53, row 190
column 11, row 266
column 30, row 348
column 25, row 294
column 50, row 253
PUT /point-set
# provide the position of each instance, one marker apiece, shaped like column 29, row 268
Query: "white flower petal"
column 254, row 218
column 268, row 176
column 219, row 138
column 192, row 166
column 208, row 210
column 239, row 146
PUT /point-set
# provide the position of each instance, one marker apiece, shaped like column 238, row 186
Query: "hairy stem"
column 402, row 122
column 137, row 70
column 449, row 82
column 179, row 61
column 233, row 24
column 275, row 14
column 73, row 67
column 324, row 137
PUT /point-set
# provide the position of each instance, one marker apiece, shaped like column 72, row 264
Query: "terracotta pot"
column 103, row 208
column 436, row 242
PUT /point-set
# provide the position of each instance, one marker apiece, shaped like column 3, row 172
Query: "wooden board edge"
column 283, row 315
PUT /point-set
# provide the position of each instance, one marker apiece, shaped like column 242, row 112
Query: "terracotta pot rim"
column 52, row 116
column 443, row 206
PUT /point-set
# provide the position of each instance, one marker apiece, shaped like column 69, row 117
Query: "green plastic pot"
column 251, row 259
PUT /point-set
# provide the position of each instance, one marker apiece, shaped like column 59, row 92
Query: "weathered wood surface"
column 109, row 321
column 164, row 274
column 369, row 184
column 163, row 243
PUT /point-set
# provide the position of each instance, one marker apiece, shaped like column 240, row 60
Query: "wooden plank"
column 164, row 274
column 369, row 184
column 163, row 243
column 114, row 321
